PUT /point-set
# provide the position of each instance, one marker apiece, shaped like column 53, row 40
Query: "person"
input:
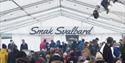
column 47, row 46
column 43, row 45
column 72, row 57
column 58, row 44
column 123, row 50
column 24, row 45
column 93, row 49
column 3, row 54
column 12, row 55
column 56, row 57
column 41, row 58
column 81, row 45
column 22, row 57
column 52, row 44
column 73, row 45
column 107, row 51
column 82, row 58
column 64, row 46
column 11, row 45
column 86, row 53
column 116, row 50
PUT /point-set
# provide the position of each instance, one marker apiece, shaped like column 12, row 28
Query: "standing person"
column 58, row 44
column 107, row 52
column 11, row 45
column 43, row 44
column 72, row 57
column 52, row 44
column 123, row 50
column 96, row 44
column 3, row 54
column 47, row 46
column 12, row 55
column 64, row 46
column 86, row 51
column 93, row 49
column 24, row 45
column 81, row 45
column 73, row 45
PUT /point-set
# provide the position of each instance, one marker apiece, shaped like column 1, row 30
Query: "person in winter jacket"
column 73, row 45
column 92, row 48
column 43, row 44
column 116, row 50
column 58, row 44
column 56, row 56
column 52, row 44
column 64, row 46
column 12, row 55
column 24, row 45
column 3, row 54
column 107, row 52
column 81, row 45
column 22, row 57
column 11, row 45
column 72, row 57
column 123, row 50
column 41, row 57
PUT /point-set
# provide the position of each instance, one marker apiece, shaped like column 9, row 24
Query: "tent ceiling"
column 19, row 13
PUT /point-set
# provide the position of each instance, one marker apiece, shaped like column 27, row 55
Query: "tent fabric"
column 16, row 14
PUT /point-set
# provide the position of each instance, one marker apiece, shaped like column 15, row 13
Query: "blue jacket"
column 80, row 45
column 117, row 51
column 52, row 44
column 58, row 44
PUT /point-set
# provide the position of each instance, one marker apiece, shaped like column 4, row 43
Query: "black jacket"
column 23, row 46
column 107, row 54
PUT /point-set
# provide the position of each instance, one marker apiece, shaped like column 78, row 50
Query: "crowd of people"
column 61, row 52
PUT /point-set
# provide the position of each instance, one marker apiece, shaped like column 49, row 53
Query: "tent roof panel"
column 7, row 5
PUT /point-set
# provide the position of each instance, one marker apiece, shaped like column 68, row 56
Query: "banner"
column 6, row 36
column 70, row 38
column 61, row 30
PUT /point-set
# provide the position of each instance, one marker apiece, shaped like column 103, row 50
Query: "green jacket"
column 122, row 47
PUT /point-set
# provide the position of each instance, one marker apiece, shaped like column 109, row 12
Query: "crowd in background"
column 61, row 52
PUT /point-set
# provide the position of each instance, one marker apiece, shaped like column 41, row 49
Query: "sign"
column 72, row 38
column 61, row 30
column 6, row 36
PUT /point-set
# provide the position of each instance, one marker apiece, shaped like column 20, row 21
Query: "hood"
column 3, row 50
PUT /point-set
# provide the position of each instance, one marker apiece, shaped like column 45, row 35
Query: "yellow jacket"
column 3, row 56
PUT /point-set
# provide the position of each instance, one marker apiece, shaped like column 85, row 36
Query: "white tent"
column 20, row 15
